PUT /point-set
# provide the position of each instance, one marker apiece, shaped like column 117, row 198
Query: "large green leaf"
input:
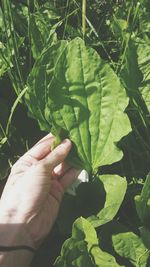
column 144, row 65
column 143, row 203
column 75, row 91
column 131, row 77
column 135, row 74
column 96, row 200
column 130, row 246
column 113, row 199
column 82, row 249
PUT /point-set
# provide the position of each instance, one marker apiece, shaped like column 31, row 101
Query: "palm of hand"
column 37, row 182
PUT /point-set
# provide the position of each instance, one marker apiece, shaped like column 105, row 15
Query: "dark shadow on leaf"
column 89, row 200
column 105, row 238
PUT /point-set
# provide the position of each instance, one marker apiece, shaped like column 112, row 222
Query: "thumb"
column 58, row 155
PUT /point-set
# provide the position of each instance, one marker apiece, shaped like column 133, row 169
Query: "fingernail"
column 65, row 141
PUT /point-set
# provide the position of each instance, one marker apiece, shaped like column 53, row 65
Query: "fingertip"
column 59, row 154
column 64, row 147
column 66, row 142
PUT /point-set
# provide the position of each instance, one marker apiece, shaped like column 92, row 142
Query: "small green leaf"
column 118, row 27
column 131, row 247
column 102, row 258
column 3, row 141
column 143, row 203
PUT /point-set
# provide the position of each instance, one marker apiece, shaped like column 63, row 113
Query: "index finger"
column 58, row 155
column 41, row 148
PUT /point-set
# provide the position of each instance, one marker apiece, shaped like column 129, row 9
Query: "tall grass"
column 84, row 3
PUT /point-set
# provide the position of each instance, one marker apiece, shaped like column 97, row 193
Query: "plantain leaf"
column 96, row 200
column 75, row 91
column 144, row 65
column 82, row 249
column 135, row 74
column 113, row 201
column 130, row 246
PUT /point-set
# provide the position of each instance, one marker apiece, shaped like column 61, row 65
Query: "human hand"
column 35, row 188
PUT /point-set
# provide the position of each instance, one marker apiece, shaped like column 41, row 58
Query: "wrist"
column 13, row 233
column 17, row 258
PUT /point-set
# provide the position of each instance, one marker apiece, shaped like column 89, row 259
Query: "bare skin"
column 31, row 198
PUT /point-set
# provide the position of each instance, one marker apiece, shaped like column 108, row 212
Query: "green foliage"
column 143, row 203
column 97, row 201
column 145, row 235
column 82, row 249
column 3, row 121
column 112, row 200
column 97, row 93
column 42, row 29
column 78, row 93
column 130, row 246
column 144, row 66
